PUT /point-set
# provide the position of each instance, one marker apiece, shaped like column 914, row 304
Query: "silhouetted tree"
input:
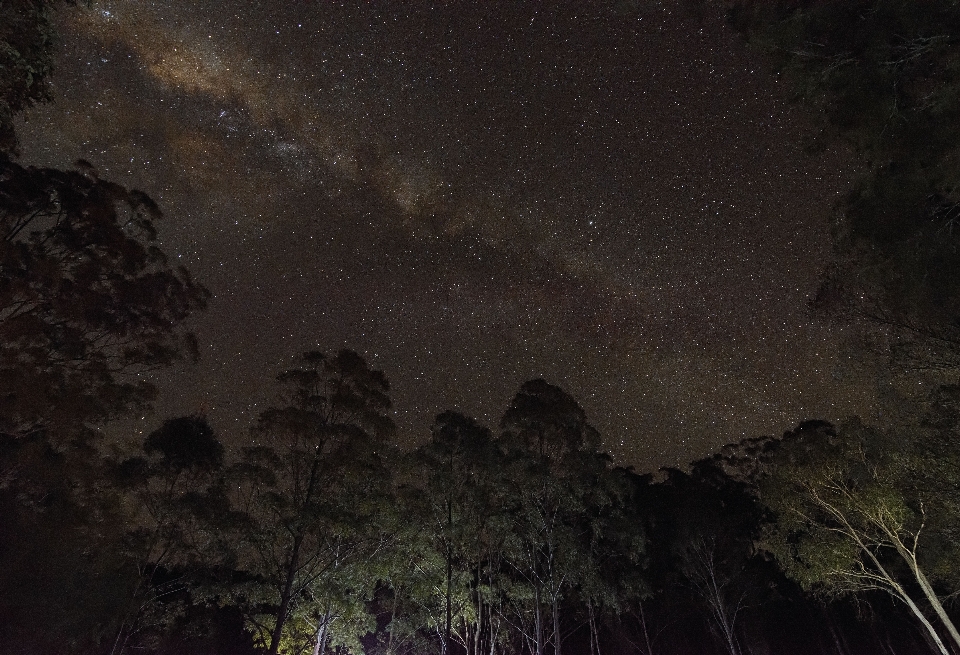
column 883, row 74
column 558, row 483
column 311, row 490
column 86, row 300
column 462, row 470
column 173, row 524
column 26, row 60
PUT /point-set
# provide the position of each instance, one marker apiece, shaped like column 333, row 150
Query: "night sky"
column 613, row 196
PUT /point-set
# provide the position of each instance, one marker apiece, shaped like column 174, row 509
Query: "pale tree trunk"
column 493, row 617
column 449, row 600
column 838, row 642
column 714, row 592
column 930, row 594
column 474, row 642
column 886, row 521
column 594, row 637
column 555, row 586
column 555, row 606
column 646, row 631
column 902, row 595
column 898, row 591
column 889, row 582
column 393, row 620
column 538, row 623
column 322, row 630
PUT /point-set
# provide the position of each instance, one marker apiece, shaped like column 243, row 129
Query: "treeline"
column 322, row 536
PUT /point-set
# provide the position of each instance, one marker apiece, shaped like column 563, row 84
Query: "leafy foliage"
column 311, row 496
column 87, row 301
column 26, row 54
column 173, row 520
column 885, row 75
column 846, row 521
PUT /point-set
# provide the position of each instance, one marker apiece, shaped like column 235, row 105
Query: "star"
column 616, row 201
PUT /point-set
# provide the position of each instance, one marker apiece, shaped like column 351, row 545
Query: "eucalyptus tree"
column 463, row 508
column 410, row 602
column 617, row 554
column 883, row 76
column 703, row 525
column 26, row 59
column 65, row 573
column 175, row 496
column 87, row 300
column 849, row 517
column 311, row 490
column 556, row 479
column 721, row 521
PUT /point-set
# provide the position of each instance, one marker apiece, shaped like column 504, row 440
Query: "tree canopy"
column 884, row 75
column 87, row 300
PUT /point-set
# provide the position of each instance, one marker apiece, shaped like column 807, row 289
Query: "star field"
column 612, row 196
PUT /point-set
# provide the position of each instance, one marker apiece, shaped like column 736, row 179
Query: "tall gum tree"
column 461, row 467
column 87, row 300
column 557, row 479
column 311, row 489
column 174, row 491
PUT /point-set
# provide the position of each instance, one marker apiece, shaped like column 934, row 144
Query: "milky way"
column 614, row 197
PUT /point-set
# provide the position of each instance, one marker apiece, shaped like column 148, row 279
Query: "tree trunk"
column 321, row 638
column 932, row 597
column 321, row 645
column 494, row 619
column 897, row 591
column 285, row 596
column 646, row 631
column 446, row 631
column 926, row 624
column 837, row 642
column 474, row 648
column 538, row 623
column 594, row 637
column 555, row 607
column 393, row 620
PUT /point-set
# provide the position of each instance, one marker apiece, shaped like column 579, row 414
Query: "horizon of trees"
column 324, row 536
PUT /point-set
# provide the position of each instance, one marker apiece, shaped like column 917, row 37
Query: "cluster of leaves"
column 26, row 58
column 87, row 300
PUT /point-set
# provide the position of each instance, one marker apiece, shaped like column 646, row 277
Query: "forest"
column 322, row 535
